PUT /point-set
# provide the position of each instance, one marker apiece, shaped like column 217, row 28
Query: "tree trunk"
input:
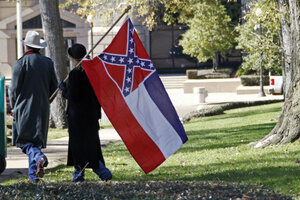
column 56, row 51
column 287, row 128
column 216, row 62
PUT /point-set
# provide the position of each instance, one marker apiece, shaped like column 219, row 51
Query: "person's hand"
column 62, row 85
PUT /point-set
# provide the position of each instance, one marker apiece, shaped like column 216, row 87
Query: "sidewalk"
column 56, row 150
column 185, row 103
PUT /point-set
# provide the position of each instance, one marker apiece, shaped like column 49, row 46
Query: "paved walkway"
column 56, row 150
column 185, row 103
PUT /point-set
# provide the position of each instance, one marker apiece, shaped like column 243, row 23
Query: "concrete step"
column 173, row 81
column 173, row 86
column 251, row 89
column 223, row 85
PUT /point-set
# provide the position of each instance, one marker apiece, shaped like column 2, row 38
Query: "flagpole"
column 125, row 11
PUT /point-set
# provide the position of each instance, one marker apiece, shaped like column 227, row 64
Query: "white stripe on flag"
column 153, row 121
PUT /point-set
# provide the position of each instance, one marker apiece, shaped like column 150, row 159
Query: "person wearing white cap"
column 33, row 81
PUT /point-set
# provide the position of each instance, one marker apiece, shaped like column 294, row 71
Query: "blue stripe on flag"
column 160, row 97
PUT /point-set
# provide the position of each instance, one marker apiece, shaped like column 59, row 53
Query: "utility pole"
column 90, row 19
column 261, row 84
column 19, row 29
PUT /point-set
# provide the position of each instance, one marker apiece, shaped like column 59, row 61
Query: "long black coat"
column 33, row 82
column 83, row 113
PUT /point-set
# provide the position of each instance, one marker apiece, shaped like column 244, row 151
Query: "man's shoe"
column 78, row 175
column 103, row 172
column 105, row 175
column 40, row 167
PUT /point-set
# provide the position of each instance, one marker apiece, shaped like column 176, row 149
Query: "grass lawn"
column 57, row 133
column 216, row 151
column 53, row 133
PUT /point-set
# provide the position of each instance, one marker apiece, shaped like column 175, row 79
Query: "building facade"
column 75, row 29
column 160, row 43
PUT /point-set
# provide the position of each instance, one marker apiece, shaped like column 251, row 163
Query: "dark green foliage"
column 192, row 73
column 252, row 80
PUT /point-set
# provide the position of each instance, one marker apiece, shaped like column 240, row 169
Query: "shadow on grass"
column 270, row 171
column 246, row 113
column 273, row 177
column 57, row 168
column 118, row 148
column 225, row 137
column 210, row 139
column 213, row 138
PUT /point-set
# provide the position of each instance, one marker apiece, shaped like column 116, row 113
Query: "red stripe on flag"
column 117, row 46
column 141, row 147
column 139, row 75
column 117, row 73
column 140, row 50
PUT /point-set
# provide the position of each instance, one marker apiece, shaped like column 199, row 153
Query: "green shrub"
column 192, row 73
column 245, row 71
column 251, row 80
column 225, row 70
column 276, row 71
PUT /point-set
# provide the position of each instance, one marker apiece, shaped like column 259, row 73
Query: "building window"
column 36, row 22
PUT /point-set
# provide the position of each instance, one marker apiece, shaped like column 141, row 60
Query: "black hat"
column 77, row 51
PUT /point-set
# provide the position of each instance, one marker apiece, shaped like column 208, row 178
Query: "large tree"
column 260, row 33
column 287, row 128
column 210, row 27
column 209, row 32
column 106, row 10
column 53, row 33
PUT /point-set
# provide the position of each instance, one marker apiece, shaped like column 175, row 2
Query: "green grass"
column 57, row 133
column 217, row 150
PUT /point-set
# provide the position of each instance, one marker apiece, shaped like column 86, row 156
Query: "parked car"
column 276, row 85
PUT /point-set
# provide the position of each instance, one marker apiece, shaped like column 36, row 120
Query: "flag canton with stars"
column 131, row 68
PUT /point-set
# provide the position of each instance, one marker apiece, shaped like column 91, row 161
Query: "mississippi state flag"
column 135, row 100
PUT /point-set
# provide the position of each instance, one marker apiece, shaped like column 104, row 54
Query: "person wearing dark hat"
column 83, row 114
column 33, row 81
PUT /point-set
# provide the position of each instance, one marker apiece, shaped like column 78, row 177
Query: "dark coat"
column 33, row 82
column 83, row 113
